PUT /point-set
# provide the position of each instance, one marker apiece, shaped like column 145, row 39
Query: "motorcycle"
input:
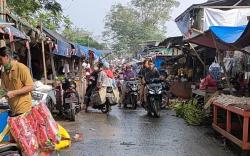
column 68, row 101
column 133, row 92
column 154, row 97
column 110, row 100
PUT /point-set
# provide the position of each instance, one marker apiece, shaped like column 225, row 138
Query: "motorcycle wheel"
column 72, row 115
column 156, row 108
column 105, row 108
column 133, row 100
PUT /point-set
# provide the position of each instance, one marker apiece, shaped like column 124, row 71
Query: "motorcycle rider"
column 127, row 75
column 91, row 87
column 150, row 73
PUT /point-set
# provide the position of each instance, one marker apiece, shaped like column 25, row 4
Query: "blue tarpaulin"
column 228, row 34
column 226, row 37
column 63, row 45
column 14, row 31
column 85, row 50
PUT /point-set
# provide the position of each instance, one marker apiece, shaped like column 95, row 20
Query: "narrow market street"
column 132, row 133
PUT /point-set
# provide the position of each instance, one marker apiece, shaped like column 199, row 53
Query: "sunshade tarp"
column 228, row 34
column 63, row 45
column 78, row 51
column 10, row 30
column 225, row 37
column 15, row 32
column 85, row 51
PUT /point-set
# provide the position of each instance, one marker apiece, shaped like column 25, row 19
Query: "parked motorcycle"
column 110, row 100
column 131, row 97
column 71, row 100
column 67, row 99
column 154, row 97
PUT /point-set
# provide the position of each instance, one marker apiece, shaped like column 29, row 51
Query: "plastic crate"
column 3, row 123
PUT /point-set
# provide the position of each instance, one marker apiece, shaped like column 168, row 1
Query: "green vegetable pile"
column 3, row 92
column 192, row 113
column 179, row 109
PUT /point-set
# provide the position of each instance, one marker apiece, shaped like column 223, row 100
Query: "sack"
column 47, row 130
column 22, row 131
column 98, row 97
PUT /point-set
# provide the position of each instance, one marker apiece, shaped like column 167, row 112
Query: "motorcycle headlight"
column 151, row 91
column 72, row 85
column 134, row 88
column 159, row 91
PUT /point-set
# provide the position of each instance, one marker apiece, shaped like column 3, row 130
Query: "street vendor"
column 17, row 81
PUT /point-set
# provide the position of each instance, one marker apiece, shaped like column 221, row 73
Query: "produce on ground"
column 191, row 112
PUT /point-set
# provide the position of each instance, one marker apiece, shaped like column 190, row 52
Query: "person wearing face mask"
column 17, row 81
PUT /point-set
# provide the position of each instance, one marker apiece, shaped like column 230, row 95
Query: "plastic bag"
column 22, row 130
column 47, row 130
column 208, row 82
column 215, row 70
column 66, row 140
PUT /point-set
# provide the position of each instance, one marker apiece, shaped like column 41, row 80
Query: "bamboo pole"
column 44, row 61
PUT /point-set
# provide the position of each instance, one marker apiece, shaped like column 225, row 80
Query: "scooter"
column 154, row 97
column 67, row 98
column 71, row 100
column 131, row 96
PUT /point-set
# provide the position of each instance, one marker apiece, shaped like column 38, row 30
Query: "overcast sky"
column 90, row 14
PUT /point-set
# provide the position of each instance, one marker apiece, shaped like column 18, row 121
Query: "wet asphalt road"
column 132, row 133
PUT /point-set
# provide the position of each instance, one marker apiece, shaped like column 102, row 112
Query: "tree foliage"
column 82, row 37
column 143, row 20
column 49, row 12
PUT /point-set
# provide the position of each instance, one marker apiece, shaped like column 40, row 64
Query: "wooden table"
column 204, row 93
column 245, row 113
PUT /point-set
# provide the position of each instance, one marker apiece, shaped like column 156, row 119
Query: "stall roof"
column 8, row 29
column 63, row 45
column 172, row 41
column 226, row 38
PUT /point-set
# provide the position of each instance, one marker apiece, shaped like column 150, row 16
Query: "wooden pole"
column 29, row 57
column 223, row 65
column 198, row 56
column 52, row 60
column 44, row 61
